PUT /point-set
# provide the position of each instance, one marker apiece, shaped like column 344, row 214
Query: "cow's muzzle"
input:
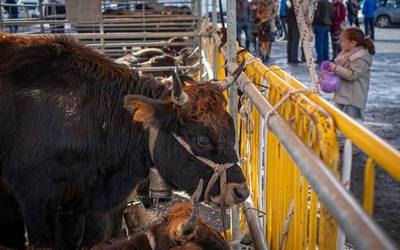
column 236, row 193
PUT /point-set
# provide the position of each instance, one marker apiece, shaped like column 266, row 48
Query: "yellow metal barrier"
column 386, row 157
column 284, row 182
column 295, row 219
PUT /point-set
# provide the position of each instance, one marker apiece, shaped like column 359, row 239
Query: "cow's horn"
column 178, row 96
column 224, row 84
column 188, row 227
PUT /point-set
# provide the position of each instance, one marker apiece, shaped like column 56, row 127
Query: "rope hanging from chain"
column 245, row 114
column 304, row 10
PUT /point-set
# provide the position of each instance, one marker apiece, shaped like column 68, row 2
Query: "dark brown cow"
column 169, row 233
column 78, row 132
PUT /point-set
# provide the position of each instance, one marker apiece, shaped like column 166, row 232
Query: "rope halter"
column 219, row 171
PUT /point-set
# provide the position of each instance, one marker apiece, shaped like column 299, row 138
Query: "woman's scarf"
column 344, row 55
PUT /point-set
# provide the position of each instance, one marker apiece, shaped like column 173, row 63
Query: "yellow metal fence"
column 294, row 217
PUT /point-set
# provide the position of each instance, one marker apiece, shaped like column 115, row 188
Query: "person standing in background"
column 266, row 25
column 12, row 13
column 350, row 12
column 242, row 21
column 356, row 9
column 282, row 18
column 253, row 23
column 293, row 33
column 322, row 21
column 353, row 66
column 369, row 11
column 338, row 25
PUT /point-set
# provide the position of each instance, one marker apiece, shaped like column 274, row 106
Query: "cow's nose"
column 241, row 193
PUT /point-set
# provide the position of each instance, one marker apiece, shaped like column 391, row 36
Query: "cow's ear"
column 149, row 111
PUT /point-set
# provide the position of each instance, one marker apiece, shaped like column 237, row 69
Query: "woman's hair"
column 356, row 34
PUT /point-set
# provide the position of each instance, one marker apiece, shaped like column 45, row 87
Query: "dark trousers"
column 254, row 36
column 284, row 27
column 322, row 42
column 243, row 26
column 335, row 36
column 293, row 42
column 356, row 21
column 369, row 27
column 351, row 19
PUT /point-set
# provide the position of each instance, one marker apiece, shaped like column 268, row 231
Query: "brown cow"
column 78, row 132
column 169, row 234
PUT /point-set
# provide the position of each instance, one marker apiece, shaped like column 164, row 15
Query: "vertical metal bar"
column 1, row 16
column 144, row 19
column 40, row 9
column 199, row 37
column 102, row 37
column 260, row 167
column 346, row 174
column 215, row 49
column 264, row 192
column 369, row 186
column 255, row 229
column 233, row 107
column 206, row 9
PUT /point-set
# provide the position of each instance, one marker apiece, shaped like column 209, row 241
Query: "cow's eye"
column 203, row 141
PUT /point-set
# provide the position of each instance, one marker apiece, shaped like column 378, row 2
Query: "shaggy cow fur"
column 70, row 149
column 165, row 235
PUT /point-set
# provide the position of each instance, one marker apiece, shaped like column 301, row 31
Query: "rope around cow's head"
column 179, row 97
column 219, row 171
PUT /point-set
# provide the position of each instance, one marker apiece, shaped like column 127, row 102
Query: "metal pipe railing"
column 254, row 225
column 165, row 68
column 233, row 106
column 137, row 35
column 387, row 157
column 140, row 44
column 358, row 226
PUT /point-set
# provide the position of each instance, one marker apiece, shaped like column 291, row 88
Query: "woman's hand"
column 332, row 67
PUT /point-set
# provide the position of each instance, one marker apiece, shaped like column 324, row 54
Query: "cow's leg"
column 72, row 228
column 39, row 216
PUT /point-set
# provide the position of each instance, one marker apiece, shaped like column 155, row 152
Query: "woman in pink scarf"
column 353, row 66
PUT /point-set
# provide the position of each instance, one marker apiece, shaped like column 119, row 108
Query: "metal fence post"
column 1, row 15
column 346, row 177
column 199, row 37
column 41, row 15
column 215, row 49
column 233, row 98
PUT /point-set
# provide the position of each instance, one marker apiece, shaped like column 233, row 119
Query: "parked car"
column 388, row 13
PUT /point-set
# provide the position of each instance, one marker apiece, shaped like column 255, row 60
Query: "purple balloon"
column 329, row 82
column 325, row 66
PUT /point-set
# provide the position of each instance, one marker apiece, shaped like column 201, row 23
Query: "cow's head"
column 195, row 113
